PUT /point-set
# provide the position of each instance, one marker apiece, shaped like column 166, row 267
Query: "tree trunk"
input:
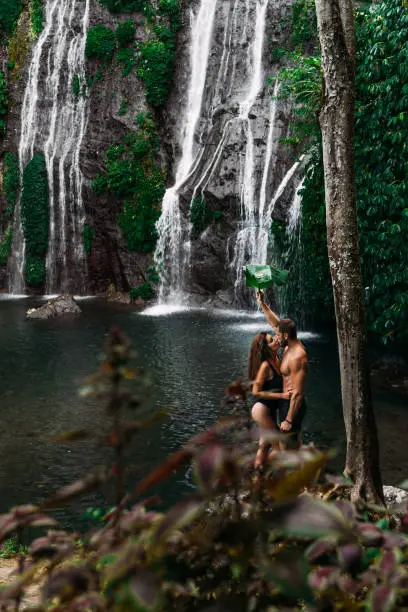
column 336, row 34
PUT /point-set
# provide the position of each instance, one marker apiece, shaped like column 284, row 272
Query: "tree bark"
column 336, row 34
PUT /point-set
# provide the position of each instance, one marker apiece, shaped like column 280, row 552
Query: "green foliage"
column 132, row 175
column 144, row 291
column 382, row 164
column 263, row 276
column 381, row 169
column 76, row 85
column 35, row 218
column 129, row 58
column 5, row 245
column 123, row 107
column 100, row 43
column 156, row 70
column 3, row 102
column 124, row 6
column 11, row 178
column 303, row 22
column 9, row 13
column 316, row 290
column 91, row 80
column 36, row 15
column 172, row 9
column 11, row 548
column 35, row 270
column 302, row 81
column 125, row 33
column 88, row 236
column 201, row 215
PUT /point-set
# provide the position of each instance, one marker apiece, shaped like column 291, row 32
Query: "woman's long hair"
column 258, row 353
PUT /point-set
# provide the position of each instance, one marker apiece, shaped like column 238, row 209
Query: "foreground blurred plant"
column 235, row 544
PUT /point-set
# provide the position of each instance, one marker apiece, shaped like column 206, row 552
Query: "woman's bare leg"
column 262, row 416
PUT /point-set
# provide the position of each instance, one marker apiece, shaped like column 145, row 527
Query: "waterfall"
column 170, row 250
column 292, row 258
column 53, row 123
column 234, row 123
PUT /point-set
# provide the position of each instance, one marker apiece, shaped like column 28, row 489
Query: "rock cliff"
column 223, row 131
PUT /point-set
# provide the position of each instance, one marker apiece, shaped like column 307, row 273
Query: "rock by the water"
column 394, row 495
column 119, row 297
column 62, row 305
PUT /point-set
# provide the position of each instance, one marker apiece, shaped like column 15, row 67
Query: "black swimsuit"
column 274, row 384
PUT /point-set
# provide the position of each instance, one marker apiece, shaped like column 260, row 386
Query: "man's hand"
column 286, row 426
column 260, row 297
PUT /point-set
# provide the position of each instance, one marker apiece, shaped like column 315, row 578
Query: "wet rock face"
column 227, row 135
column 62, row 305
column 221, row 139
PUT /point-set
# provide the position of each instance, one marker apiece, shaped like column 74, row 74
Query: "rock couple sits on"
column 278, row 386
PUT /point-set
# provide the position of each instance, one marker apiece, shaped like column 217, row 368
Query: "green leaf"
column 263, row 276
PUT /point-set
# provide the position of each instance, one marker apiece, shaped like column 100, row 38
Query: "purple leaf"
column 211, row 466
column 404, row 524
column 381, row 599
column 77, row 488
column 395, row 540
column 348, row 585
column 388, row 562
column 307, row 517
column 323, row 577
column 178, row 516
column 347, row 509
column 145, row 588
column 67, row 583
column 7, row 525
column 350, row 558
column 371, row 535
column 319, row 549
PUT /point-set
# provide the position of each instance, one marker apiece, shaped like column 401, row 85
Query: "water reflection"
column 189, row 357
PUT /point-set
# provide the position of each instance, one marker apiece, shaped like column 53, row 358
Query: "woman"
column 265, row 376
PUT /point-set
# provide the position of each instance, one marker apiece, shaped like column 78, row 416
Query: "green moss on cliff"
column 36, row 15
column 131, row 173
column 9, row 13
column 5, row 245
column 19, row 44
column 100, row 43
column 35, row 218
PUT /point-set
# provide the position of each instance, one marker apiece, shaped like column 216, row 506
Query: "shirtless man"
column 293, row 368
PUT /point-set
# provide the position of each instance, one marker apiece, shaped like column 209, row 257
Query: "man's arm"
column 298, row 369
column 271, row 317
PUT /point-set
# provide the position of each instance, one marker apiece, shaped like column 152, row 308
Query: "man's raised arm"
column 271, row 317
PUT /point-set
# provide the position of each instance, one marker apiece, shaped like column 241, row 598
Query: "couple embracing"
column 278, row 386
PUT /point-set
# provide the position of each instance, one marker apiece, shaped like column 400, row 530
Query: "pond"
column 189, row 357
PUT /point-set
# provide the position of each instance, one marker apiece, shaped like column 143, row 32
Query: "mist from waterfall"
column 53, row 123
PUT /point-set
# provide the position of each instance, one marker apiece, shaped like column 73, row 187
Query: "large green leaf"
column 263, row 276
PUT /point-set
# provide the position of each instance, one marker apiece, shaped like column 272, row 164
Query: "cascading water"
column 53, row 123
column 171, row 246
column 231, row 83
column 292, row 258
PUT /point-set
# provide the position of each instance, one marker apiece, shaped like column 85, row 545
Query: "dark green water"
column 189, row 356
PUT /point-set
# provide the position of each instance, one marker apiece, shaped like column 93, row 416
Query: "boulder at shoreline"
column 62, row 305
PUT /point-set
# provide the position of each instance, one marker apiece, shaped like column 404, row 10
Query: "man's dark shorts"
column 283, row 411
